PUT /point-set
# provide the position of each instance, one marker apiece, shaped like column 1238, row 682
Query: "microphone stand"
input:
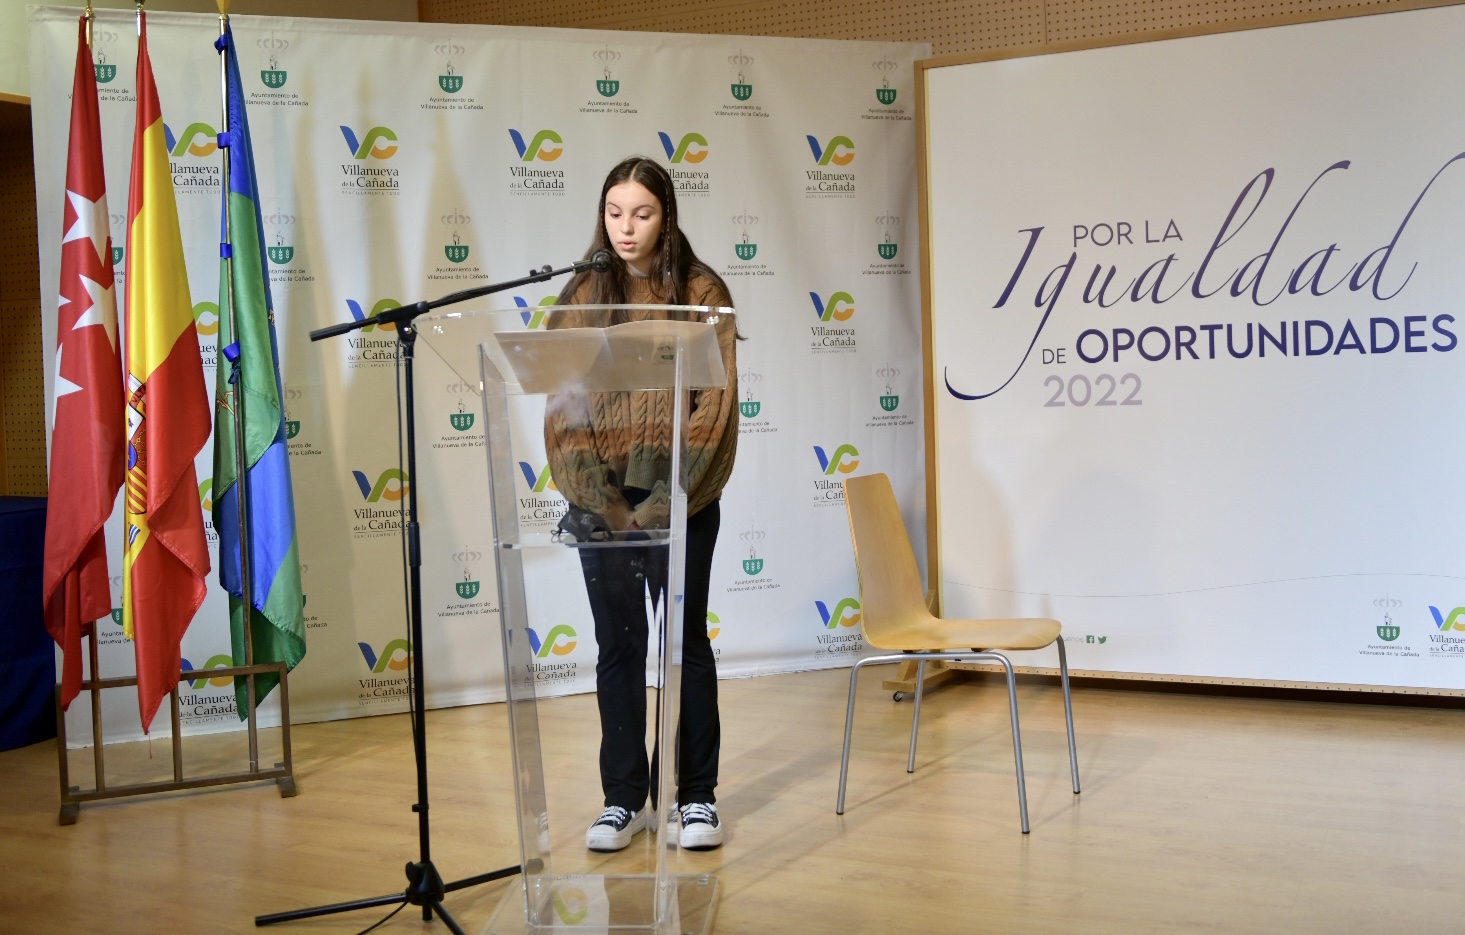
column 425, row 886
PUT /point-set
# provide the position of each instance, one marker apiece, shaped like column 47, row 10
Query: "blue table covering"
column 28, row 660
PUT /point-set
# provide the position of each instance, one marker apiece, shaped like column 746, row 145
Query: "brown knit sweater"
column 602, row 443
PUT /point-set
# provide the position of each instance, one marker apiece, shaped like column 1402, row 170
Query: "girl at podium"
column 610, row 458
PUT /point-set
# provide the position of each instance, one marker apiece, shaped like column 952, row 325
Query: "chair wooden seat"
column 942, row 633
column 894, row 616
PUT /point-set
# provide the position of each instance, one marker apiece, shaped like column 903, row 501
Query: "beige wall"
column 953, row 27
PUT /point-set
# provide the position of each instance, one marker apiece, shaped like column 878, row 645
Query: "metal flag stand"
column 283, row 772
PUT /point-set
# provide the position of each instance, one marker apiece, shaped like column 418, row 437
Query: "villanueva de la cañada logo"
column 834, row 333
column 832, row 175
column 467, row 588
column 280, row 252
column 208, row 699
column 608, row 98
column 885, row 93
column 714, row 630
column 549, row 649
column 206, row 503
column 457, row 250
column 688, row 151
column 884, row 262
column 841, row 623
column 112, row 83
column 117, row 223
column 1448, row 640
column 367, row 172
column 191, row 175
column 890, row 415
column 740, row 68
column 536, row 316
column 468, row 599
column 379, row 512
column 755, row 574
column 302, row 444
column 532, row 173
column 745, row 248
column 841, row 459
column 274, row 76
column 457, row 430
column 386, row 679
column 373, row 346
column 753, row 420
column 542, row 506
column 447, row 93
column 206, row 323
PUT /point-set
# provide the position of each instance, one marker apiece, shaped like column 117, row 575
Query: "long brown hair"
column 673, row 263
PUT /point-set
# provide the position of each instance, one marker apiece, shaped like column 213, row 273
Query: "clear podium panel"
column 588, row 412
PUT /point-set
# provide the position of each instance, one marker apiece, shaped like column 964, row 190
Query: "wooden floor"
column 1199, row 814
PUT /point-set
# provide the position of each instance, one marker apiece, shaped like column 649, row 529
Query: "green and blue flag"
column 277, row 618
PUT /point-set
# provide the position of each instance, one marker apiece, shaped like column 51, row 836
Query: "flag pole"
column 241, row 456
column 89, row 19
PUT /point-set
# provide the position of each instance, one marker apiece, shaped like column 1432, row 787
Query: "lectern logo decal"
column 684, row 150
column 378, row 143
column 534, row 315
column 552, row 641
column 390, row 485
column 840, row 150
column 546, row 146
column 215, row 662
column 273, row 77
column 885, row 94
column 396, row 655
column 189, row 143
column 450, row 82
column 741, row 89
column 607, row 86
column 571, row 905
column 846, row 613
column 839, row 307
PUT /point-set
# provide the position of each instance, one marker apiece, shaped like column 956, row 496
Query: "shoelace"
column 614, row 815
column 699, row 812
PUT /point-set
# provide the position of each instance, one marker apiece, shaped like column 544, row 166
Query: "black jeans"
column 616, row 581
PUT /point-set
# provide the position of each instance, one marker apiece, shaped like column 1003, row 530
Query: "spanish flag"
column 165, row 554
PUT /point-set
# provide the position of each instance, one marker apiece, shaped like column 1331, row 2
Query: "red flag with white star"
column 87, row 441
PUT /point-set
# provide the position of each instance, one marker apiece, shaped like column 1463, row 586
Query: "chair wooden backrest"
column 892, row 599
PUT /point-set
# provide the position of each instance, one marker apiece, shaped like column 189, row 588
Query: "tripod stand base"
column 425, row 888
column 602, row 904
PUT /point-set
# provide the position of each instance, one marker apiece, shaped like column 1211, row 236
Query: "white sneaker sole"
column 604, row 838
column 700, row 836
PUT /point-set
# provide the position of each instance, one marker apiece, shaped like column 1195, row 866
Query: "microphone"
column 599, row 261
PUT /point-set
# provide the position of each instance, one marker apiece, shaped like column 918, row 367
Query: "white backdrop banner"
column 406, row 161
column 1197, row 323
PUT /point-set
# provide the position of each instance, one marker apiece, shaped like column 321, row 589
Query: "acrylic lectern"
column 553, row 367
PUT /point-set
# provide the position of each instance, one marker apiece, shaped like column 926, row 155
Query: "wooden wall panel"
column 953, row 27
column 22, row 384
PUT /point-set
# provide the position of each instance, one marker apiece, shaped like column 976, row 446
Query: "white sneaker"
column 700, row 829
column 614, row 829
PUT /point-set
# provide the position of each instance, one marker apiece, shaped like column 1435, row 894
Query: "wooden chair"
column 895, row 617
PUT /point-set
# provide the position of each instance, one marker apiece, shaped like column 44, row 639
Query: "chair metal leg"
column 1022, row 789
column 910, row 765
column 1068, row 713
column 849, row 723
